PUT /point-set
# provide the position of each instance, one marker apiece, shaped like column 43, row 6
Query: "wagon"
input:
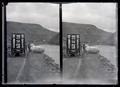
column 18, row 44
column 73, row 44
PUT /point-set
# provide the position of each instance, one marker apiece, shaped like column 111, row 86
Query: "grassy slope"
column 55, row 40
column 37, row 33
column 88, row 33
column 33, row 32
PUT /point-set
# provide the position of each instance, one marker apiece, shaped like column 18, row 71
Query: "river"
column 110, row 52
column 107, row 51
column 52, row 51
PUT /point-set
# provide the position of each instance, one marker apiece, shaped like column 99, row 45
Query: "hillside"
column 88, row 33
column 55, row 40
column 38, row 34
column 33, row 32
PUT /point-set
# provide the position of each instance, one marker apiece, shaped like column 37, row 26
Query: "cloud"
column 103, row 15
column 45, row 14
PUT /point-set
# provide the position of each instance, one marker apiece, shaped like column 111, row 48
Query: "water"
column 52, row 51
column 110, row 52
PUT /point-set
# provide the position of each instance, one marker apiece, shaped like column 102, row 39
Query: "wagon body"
column 18, row 44
column 73, row 45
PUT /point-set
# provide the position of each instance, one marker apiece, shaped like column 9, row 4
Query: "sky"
column 102, row 15
column 45, row 14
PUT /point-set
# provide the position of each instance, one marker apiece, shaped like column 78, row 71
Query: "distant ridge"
column 38, row 34
column 33, row 32
column 55, row 40
column 89, row 33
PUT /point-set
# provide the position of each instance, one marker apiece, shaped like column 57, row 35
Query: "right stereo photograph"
column 89, row 43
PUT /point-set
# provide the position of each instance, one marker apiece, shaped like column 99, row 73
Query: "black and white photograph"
column 89, row 34
column 33, row 54
column 60, row 43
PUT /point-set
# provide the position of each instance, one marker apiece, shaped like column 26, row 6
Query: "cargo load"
column 18, row 44
column 73, row 45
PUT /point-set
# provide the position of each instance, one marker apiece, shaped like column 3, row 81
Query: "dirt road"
column 90, row 69
column 39, row 68
column 13, row 67
column 33, row 68
column 70, row 66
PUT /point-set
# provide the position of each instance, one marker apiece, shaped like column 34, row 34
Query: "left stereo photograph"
column 33, row 50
